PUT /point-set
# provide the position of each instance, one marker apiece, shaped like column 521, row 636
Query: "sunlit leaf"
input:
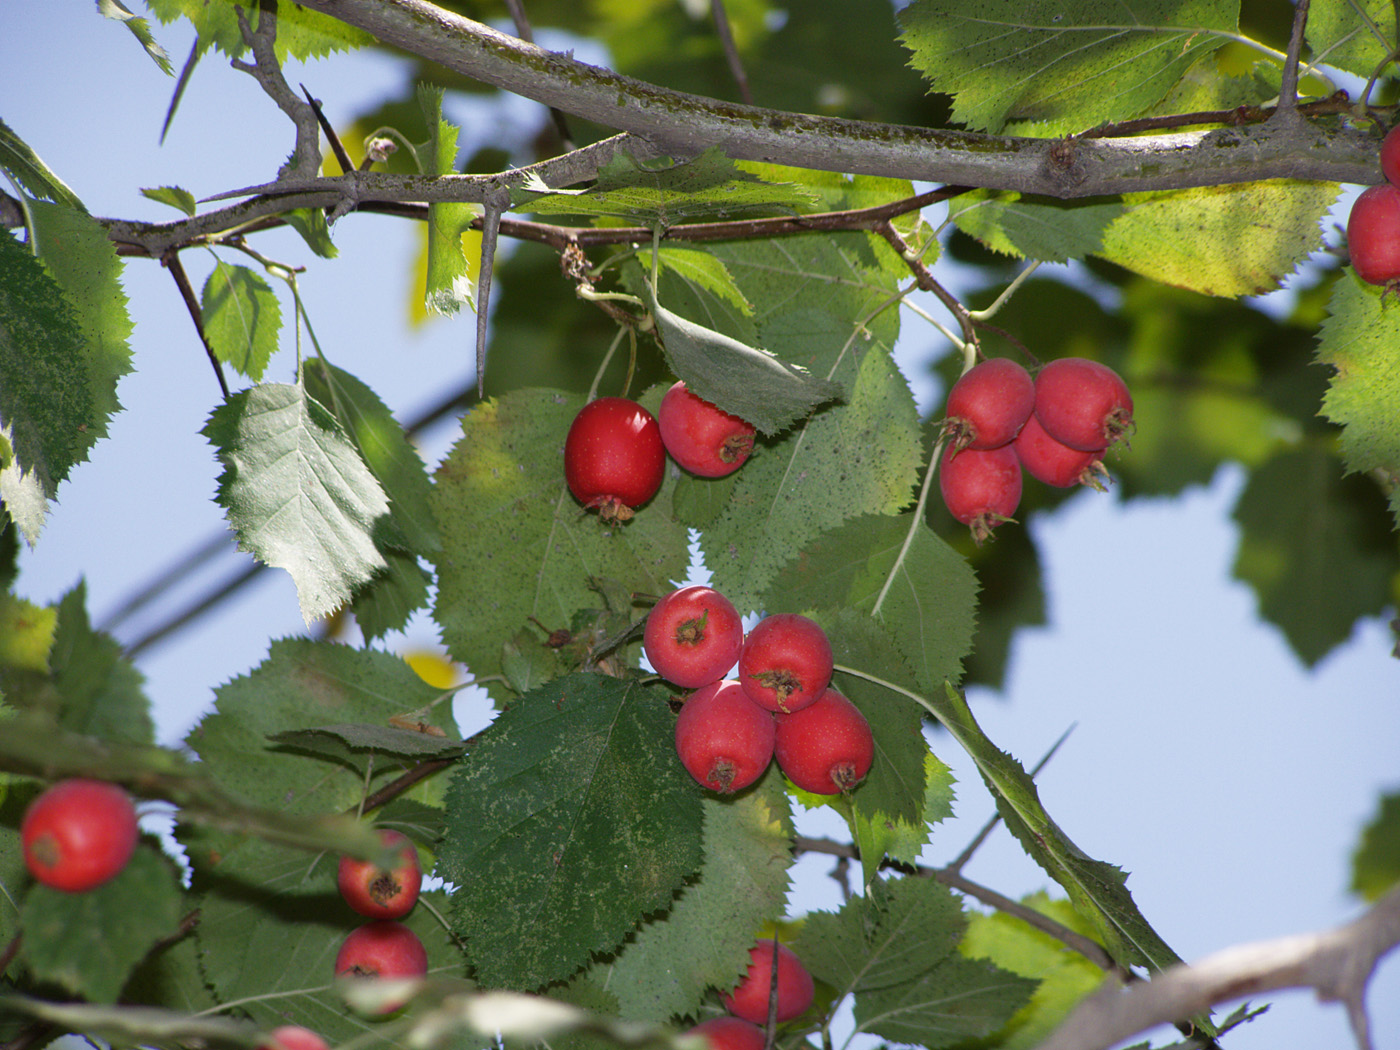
column 1375, row 866
column 140, row 29
column 1034, row 227
column 174, row 196
column 451, row 275
column 242, row 318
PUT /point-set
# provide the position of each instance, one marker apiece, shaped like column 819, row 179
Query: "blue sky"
column 1230, row 781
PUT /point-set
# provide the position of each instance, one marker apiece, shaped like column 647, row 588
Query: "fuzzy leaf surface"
column 242, row 318
column 570, row 819
column 297, row 492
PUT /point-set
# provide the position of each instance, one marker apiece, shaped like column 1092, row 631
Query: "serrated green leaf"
column 1375, row 866
column 26, row 634
column 1315, row 548
column 88, row 943
column 1034, row 227
column 315, row 231
column 1356, row 36
column 505, row 515
column 301, row 34
column 390, row 598
column 1069, row 66
column 570, row 819
column 957, row 1000
column 140, row 29
column 342, row 741
column 705, row 270
column 703, row 941
column 1358, row 341
column 171, row 977
column 242, row 318
column 297, row 492
column 710, row 187
column 30, row 171
column 174, row 196
column 451, row 278
column 1174, row 237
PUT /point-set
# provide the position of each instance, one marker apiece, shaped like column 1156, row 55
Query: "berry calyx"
column 383, row 948
column 786, row 662
column 1046, row 460
column 700, row 436
column 981, row 489
column 1083, row 404
column 825, row 748
column 749, row 999
column 293, row 1037
column 724, row 740
column 693, row 636
column 79, row 834
column 1373, row 234
column 989, row 404
column 382, row 893
column 614, row 459
column 730, row 1033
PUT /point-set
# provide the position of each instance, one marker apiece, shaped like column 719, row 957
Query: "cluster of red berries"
column 780, row 707
column 748, row 1002
column 382, row 947
column 79, row 834
column 1000, row 421
column 1373, row 227
column 615, row 453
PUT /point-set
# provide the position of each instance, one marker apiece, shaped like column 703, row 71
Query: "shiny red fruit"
column 786, row 662
column 703, row 438
column 693, row 636
column 79, row 834
column 724, row 739
column 730, row 1033
column 1373, row 234
column 379, row 893
column 614, row 459
column 825, row 748
column 989, row 404
column 383, row 948
column 1048, row 461
column 795, row 989
column 1083, row 404
column 981, row 489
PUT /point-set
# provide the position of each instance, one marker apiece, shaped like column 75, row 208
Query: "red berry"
column 378, row 893
column 701, row 437
column 989, row 404
column 693, row 636
column 382, row 949
column 1390, row 155
column 981, row 489
column 825, row 748
column 613, row 457
column 750, row 999
column 724, row 740
column 730, row 1033
column 79, row 834
column 1373, row 234
column 293, row 1037
column 786, row 662
column 1045, row 459
column 1082, row 403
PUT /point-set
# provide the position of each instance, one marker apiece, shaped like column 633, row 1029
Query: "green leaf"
column 1358, row 341
column 1309, row 531
column 506, row 515
column 88, row 943
column 1034, row 227
column 710, row 187
column 958, row 999
column 140, row 29
column 1174, row 237
column 390, row 598
column 31, row 172
column 297, row 492
column 174, row 196
column 1356, row 36
column 703, row 941
column 450, row 273
column 26, row 634
column 570, row 819
column 311, row 224
column 1375, row 866
column 242, row 318
column 301, row 34
column 1069, row 66
column 706, row 271
column 344, row 740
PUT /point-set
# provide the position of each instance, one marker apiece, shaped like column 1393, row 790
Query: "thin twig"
column 1288, row 85
column 731, row 50
column 305, row 161
column 928, row 282
column 182, row 281
column 342, row 155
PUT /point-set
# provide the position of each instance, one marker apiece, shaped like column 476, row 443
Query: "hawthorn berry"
column 730, row 1033
column 700, row 436
column 989, row 404
column 1046, row 460
column 1373, row 234
column 724, row 739
column 786, row 662
column 382, row 948
column 749, row 999
column 79, row 834
column 293, row 1037
column 693, row 636
column 1082, row 403
column 1390, row 155
column 379, row 893
column 614, row 459
column 981, row 488
column 825, row 748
